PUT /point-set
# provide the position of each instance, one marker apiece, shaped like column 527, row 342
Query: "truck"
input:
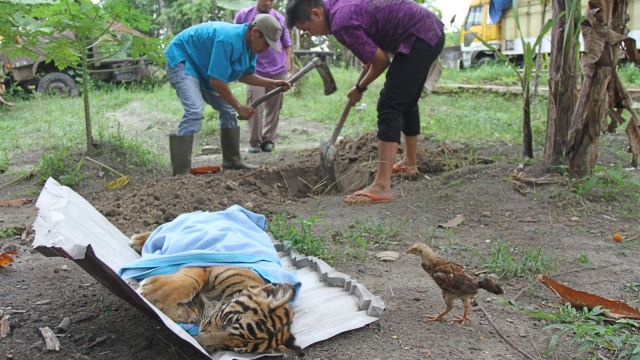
column 34, row 72
column 494, row 22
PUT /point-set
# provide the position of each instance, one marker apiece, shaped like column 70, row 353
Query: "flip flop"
column 404, row 170
column 362, row 197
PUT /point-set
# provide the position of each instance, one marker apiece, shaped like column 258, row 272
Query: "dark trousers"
column 398, row 102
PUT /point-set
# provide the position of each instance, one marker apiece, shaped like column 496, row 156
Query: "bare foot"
column 401, row 167
column 369, row 195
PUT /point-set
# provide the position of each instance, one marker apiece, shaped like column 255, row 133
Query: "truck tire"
column 58, row 84
column 484, row 61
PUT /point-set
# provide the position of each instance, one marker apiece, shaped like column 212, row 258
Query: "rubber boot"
column 180, row 148
column 230, row 144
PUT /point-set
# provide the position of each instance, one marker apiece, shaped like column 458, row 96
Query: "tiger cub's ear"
column 277, row 294
column 291, row 346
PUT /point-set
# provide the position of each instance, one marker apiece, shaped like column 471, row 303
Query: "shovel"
column 328, row 151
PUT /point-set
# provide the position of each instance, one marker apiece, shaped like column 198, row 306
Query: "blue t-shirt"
column 212, row 50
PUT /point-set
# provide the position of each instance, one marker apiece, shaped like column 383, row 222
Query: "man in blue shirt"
column 201, row 60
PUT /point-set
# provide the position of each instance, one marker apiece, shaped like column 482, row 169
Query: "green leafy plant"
column 525, row 76
column 583, row 259
column 609, row 183
column 74, row 28
column 57, row 165
column 8, row 232
column 511, row 261
column 299, row 233
column 593, row 333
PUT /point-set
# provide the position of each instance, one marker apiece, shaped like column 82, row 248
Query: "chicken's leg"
column 448, row 301
column 465, row 316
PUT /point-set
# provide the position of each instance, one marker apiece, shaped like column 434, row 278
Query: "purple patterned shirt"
column 269, row 63
column 391, row 25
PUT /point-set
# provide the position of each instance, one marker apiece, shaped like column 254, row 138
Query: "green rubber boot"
column 230, row 144
column 180, row 148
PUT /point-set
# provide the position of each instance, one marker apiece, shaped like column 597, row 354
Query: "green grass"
column 8, row 232
column 299, row 233
column 511, row 261
column 596, row 336
column 492, row 73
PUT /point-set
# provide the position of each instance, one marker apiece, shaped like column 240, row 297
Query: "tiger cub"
column 247, row 315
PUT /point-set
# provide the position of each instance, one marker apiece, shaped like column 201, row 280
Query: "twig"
column 286, row 184
column 565, row 273
column 17, row 179
column 247, row 175
column 390, row 289
column 103, row 165
column 583, row 269
column 534, row 346
column 520, row 293
column 173, row 348
column 486, row 314
column 98, row 341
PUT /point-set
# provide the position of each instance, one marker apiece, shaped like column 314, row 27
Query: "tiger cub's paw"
column 137, row 241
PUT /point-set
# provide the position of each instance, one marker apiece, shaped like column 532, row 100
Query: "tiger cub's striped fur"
column 235, row 308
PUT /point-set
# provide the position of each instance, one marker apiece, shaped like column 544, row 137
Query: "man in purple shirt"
column 272, row 65
column 375, row 30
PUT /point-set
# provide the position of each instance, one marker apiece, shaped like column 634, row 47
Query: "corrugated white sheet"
column 67, row 225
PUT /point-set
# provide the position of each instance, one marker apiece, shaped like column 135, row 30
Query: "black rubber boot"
column 180, row 148
column 230, row 144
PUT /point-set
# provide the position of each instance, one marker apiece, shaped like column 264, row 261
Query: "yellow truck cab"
column 494, row 22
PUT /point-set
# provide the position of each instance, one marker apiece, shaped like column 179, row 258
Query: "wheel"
column 58, row 84
column 484, row 60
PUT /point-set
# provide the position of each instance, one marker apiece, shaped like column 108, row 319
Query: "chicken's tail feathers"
column 490, row 285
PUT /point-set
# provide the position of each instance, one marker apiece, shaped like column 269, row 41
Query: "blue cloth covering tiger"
column 219, row 269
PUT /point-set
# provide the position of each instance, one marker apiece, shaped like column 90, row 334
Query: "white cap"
column 270, row 29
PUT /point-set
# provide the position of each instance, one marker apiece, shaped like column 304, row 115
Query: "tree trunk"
column 602, row 52
column 562, row 86
column 85, row 98
column 527, row 135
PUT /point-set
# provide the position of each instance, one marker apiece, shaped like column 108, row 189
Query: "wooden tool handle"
column 312, row 64
column 345, row 113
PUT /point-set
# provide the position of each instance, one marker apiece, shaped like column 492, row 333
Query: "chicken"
column 455, row 282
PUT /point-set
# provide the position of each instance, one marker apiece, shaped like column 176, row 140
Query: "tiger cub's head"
column 256, row 320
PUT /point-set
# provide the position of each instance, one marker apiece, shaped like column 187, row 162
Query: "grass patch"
column 8, row 232
column 61, row 166
column 298, row 232
column 593, row 333
column 613, row 185
column 361, row 236
column 510, row 261
column 490, row 73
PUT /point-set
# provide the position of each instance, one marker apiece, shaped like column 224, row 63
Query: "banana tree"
column 602, row 94
column 525, row 76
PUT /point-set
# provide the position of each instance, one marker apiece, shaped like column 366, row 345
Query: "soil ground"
column 40, row 292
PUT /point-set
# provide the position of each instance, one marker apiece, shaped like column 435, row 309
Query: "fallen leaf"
column 453, row 222
column 581, row 299
column 14, row 203
column 5, row 259
column 117, row 183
